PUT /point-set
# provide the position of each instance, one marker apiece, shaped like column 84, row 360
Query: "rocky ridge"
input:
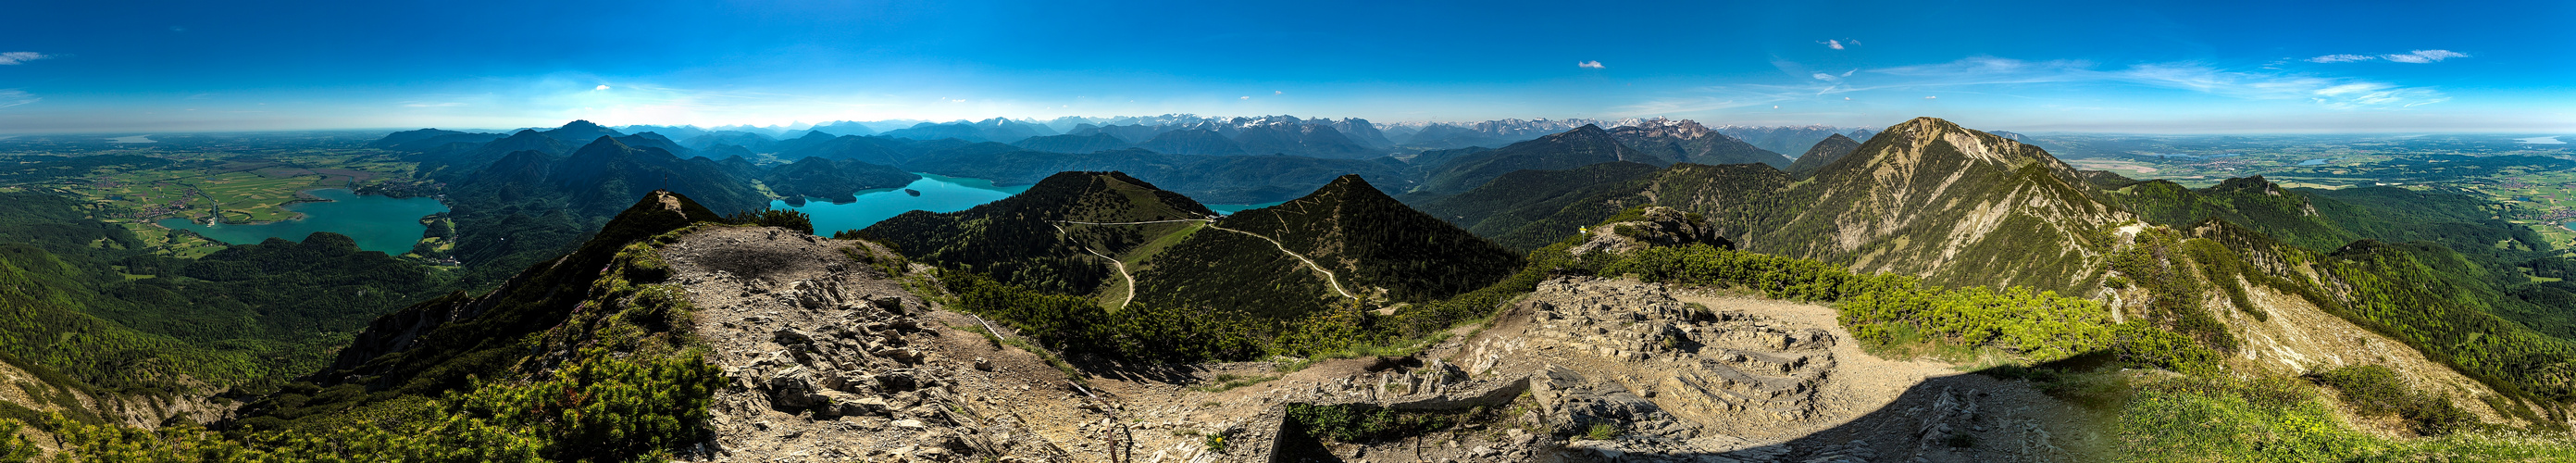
column 833, row 360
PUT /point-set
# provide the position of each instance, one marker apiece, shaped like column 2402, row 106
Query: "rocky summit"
column 831, row 356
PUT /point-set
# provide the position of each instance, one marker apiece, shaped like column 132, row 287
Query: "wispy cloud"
column 2417, row 57
column 2425, row 56
column 1834, row 44
column 1589, row 64
column 18, row 57
column 14, row 97
column 429, row 104
column 2341, row 58
column 1967, row 74
column 2331, row 92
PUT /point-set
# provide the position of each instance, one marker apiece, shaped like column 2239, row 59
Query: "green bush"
column 781, row 218
column 1362, row 422
column 2376, row 390
column 15, row 448
column 1882, row 309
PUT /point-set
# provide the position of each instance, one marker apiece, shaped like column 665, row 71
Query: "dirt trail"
column 1122, row 276
column 1310, row 263
column 1283, row 249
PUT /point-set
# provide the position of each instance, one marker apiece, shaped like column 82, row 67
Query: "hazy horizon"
column 2181, row 68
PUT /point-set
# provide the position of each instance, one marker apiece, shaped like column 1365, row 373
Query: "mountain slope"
column 1923, row 198
column 1825, row 152
column 1582, row 146
column 835, row 181
column 1376, row 244
column 1930, row 198
column 1094, row 142
column 1530, row 208
column 1302, row 140
column 1687, row 141
column 529, row 205
column 1788, row 139
column 929, row 131
column 1216, row 179
column 579, row 131
column 1024, row 239
column 1193, row 141
column 454, row 161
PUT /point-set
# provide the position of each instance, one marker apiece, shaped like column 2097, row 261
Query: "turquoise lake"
column 378, row 223
column 938, row 194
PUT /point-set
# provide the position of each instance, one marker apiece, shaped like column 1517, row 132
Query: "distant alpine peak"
column 1925, row 125
column 606, row 141
column 1685, row 129
column 1820, row 127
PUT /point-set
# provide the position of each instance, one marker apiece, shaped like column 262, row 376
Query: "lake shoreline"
column 361, row 223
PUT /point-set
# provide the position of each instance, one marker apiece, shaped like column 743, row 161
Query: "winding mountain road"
column 1329, row 278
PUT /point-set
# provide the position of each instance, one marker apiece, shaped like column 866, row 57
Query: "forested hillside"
column 1962, row 208
column 87, row 301
column 529, row 205
column 1373, row 241
column 1030, row 239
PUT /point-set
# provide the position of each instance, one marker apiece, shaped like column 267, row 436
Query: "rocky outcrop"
column 1658, row 226
column 831, row 359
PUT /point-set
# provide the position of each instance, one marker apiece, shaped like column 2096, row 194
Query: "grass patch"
column 1601, row 431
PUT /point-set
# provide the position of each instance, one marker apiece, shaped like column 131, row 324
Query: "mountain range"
column 1636, row 289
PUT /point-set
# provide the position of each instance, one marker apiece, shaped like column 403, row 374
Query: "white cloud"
column 429, row 104
column 1834, row 44
column 1827, row 77
column 1247, row 97
column 1589, row 64
column 2424, row 56
column 1931, row 98
column 2416, row 57
column 1278, row 92
column 17, row 57
column 14, row 97
column 601, row 87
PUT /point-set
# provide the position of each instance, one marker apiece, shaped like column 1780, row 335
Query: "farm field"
column 2529, row 184
column 231, row 187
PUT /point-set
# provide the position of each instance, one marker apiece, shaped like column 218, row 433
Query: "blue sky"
column 2235, row 66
